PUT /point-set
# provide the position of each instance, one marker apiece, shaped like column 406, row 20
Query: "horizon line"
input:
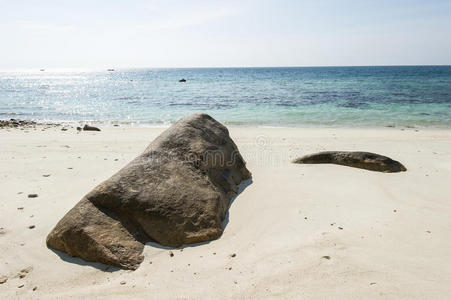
column 214, row 67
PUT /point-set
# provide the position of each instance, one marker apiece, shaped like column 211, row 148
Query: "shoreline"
column 111, row 124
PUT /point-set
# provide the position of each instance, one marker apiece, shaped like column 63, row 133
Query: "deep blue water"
column 305, row 96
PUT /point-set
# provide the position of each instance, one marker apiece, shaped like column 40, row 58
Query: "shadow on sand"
column 75, row 260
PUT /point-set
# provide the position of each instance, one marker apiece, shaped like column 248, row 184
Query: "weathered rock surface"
column 90, row 128
column 176, row 192
column 362, row 160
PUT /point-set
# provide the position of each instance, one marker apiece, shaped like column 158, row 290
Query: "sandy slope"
column 395, row 242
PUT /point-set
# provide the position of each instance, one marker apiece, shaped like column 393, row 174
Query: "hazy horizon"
column 208, row 34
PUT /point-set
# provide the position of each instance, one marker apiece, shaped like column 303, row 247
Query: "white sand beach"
column 298, row 231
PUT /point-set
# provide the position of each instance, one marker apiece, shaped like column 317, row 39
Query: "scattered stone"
column 182, row 80
column 64, row 129
column 21, row 286
column 20, row 208
column 20, row 193
column 90, row 128
column 326, row 257
column 31, row 227
column 15, row 123
column 171, row 254
column 362, row 160
column 189, row 205
column 35, row 288
column 46, row 175
column 3, row 280
column 230, row 268
column 123, row 282
column 428, row 231
column 32, row 195
column 79, row 128
column 372, row 283
column 70, row 168
column 394, row 210
column 233, row 255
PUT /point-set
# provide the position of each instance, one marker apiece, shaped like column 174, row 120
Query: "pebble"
column 21, row 286
column 35, row 288
column 3, row 280
column 326, row 257
column 46, row 175
column 32, row 195
column 171, row 254
column 233, row 255
column 31, row 227
column 123, row 282
column 341, row 228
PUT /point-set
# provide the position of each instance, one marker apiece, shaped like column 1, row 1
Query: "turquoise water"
column 320, row 96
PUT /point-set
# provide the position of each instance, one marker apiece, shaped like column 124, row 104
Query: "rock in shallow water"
column 176, row 192
column 362, row 160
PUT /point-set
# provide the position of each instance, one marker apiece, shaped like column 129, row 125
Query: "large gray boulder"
column 176, row 192
column 362, row 160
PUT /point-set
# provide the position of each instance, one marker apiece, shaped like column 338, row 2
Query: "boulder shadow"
column 241, row 187
column 79, row 261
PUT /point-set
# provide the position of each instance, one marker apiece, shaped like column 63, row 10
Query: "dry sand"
column 298, row 231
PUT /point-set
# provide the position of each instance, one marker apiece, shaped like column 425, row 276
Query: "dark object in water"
column 182, row 80
column 176, row 192
column 90, row 128
column 362, row 160
column 110, row 70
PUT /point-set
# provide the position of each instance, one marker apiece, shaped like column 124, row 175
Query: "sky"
column 226, row 33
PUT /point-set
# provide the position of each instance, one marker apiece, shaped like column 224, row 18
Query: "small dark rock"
column 182, row 80
column 233, row 255
column 31, row 226
column 3, row 280
column 32, row 195
column 90, row 128
column 326, row 257
column 171, row 254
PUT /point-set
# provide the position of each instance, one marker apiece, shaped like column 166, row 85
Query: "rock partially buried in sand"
column 362, row 160
column 176, row 192
column 90, row 128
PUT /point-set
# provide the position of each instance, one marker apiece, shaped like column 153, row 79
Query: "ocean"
column 418, row 96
